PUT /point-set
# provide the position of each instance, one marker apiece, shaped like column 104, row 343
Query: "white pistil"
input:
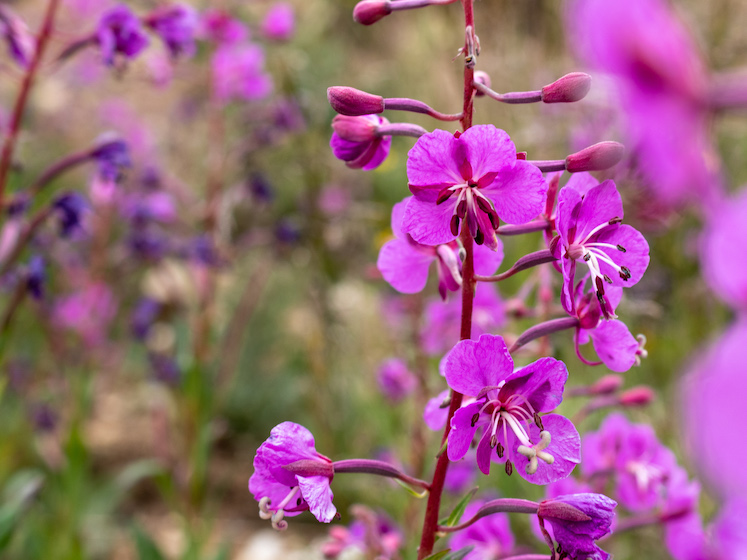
column 537, row 451
column 278, row 522
column 264, row 508
column 276, row 516
column 517, row 428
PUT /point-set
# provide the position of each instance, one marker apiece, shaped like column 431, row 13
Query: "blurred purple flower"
column 36, row 276
column 43, row 417
column 219, row 27
column 287, row 232
column 371, row 534
column 143, row 316
column 143, row 207
column 88, row 312
column 283, row 493
column 21, row 43
column 176, row 25
column 334, row 200
column 490, row 536
column 662, row 84
column 577, row 520
column 396, row 381
column 442, row 319
column 507, row 407
column 239, row 74
column 112, row 156
column 70, row 208
column 369, row 151
column 279, row 23
column 404, row 262
column 481, row 169
column 120, row 33
column 461, row 474
column 683, row 527
column 165, row 369
column 435, row 415
column 260, row 188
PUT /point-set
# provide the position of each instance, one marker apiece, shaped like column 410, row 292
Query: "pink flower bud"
column 595, row 158
column 354, row 102
column 637, row 396
column 606, row 385
column 482, row 78
column 369, row 12
column 354, row 129
column 571, row 87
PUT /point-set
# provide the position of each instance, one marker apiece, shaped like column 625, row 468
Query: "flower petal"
column 318, row 494
column 614, row 345
column 565, row 447
column 462, row 431
column 429, row 223
column 472, row 365
column 518, row 193
column 431, row 160
column 403, row 266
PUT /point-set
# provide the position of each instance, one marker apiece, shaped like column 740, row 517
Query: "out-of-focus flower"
column 280, row 22
column 120, row 33
column 404, row 262
column 143, row 316
column 395, row 380
column 88, row 312
column 473, row 176
column 260, row 188
column 372, row 534
column 507, row 407
column 577, row 521
column 362, row 149
column 21, row 43
column 441, row 327
column 36, row 276
column 165, row 368
column 662, row 84
column 218, row 26
column 112, row 157
column 239, row 74
column 290, row 476
column 590, row 229
column 176, row 25
column 490, row 536
column 70, row 208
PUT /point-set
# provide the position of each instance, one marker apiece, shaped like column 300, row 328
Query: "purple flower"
column 112, row 156
column 279, row 23
column 577, row 520
column 662, row 84
column 87, row 312
column 683, row 528
column 590, row 229
column 632, row 453
column 367, row 153
column 490, row 536
column 441, row 326
column 144, row 315
column 120, row 32
column 507, row 407
column 371, row 534
column 176, row 25
column 221, row 28
column 291, row 477
column 404, row 262
column 36, row 277
column 70, row 208
column 473, row 176
column 239, row 74
column 435, row 415
column 21, row 43
column 395, row 380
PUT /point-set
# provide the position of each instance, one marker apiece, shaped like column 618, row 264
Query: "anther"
column 625, row 273
column 461, row 209
column 621, row 248
column 475, row 418
column 607, row 279
column 538, row 422
column 479, row 237
column 587, row 257
column 509, row 468
column 600, row 286
column 493, row 441
column 499, row 450
column 483, row 204
column 493, row 219
column 615, row 220
column 298, row 502
column 444, row 195
column 454, row 225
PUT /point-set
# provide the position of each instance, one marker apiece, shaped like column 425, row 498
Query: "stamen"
column 479, row 237
column 475, row 418
column 454, row 225
column 264, row 508
column 444, row 195
column 587, row 256
column 499, row 450
column 509, row 468
column 493, row 441
column 621, row 248
column 625, row 273
column 517, row 428
column 607, row 279
column 278, row 522
column 538, row 422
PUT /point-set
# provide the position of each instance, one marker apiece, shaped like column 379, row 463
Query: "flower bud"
column 369, row 12
column 354, row 129
column 571, row 87
column 606, row 385
column 637, row 396
column 482, row 78
column 595, row 158
column 354, row 102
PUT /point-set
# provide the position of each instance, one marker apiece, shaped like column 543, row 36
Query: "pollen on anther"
column 509, row 468
column 499, row 450
column 622, row 249
column 475, row 418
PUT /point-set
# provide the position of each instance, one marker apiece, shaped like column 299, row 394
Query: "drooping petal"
column 614, row 345
column 403, row 266
column 398, row 214
column 473, row 365
column 431, row 160
column 565, row 447
column 263, row 484
column 518, row 193
column 383, row 145
column 318, row 494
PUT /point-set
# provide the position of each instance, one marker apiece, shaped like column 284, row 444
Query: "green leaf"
column 411, row 490
column 458, row 511
column 17, row 495
column 146, row 547
column 459, row 554
column 439, row 555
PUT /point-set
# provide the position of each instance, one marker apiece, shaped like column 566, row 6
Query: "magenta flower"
column 404, row 262
column 577, row 520
column 291, row 477
column 662, row 84
column 473, row 176
column 507, row 407
column 15, row 32
column 372, row 535
column 239, row 74
column 219, row 27
column 490, row 536
column 87, row 312
column 279, row 23
column 640, row 464
column 367, row 153
column 395, row 380
column 590, row 228
column 684, row 535
column 120, row 32
column 441, row 326
column 176, row 25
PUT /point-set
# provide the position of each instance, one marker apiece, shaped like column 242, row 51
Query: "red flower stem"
column 430, row 522
column 15, row 123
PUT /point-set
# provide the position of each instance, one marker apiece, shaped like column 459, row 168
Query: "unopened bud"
column 637, row 396
column 354, row 102
column 354, row 129
column 369, row 12
column 595, row 158
column 571, row 87
column 482, row 78
column 606, row 385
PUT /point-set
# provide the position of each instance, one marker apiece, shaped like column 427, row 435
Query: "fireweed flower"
column 367, row 152
column 239, row 74
column 291, row 477
column 473, row 176
column 590, row 229
column 662, row 84
column 441, row 326
column 372, row 534
column 176, row 25
column 490, row 536
column 404, row 262
column 631, row 453
column 120, row 33
column 88, row 312
column 684, row 535
column 395, row 380
column 219, row 27
column 279, row 23
column 507, row 407
column 577, row 520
